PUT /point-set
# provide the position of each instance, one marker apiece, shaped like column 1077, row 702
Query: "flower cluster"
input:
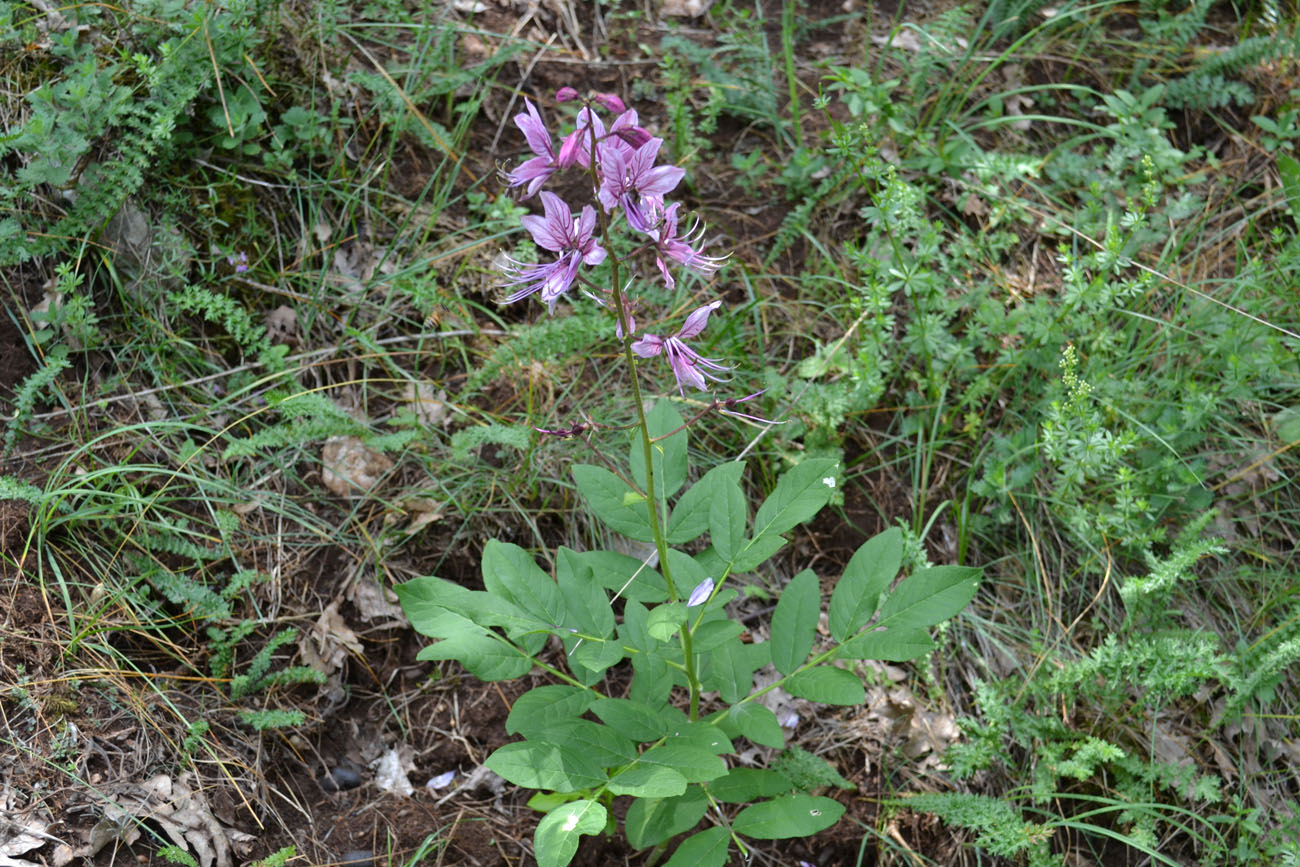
column 629, row 187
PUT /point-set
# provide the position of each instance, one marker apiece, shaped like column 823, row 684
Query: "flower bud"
column 611, row 102
column 566, row 94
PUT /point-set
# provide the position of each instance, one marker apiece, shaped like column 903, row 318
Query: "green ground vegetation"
column 1028, row 271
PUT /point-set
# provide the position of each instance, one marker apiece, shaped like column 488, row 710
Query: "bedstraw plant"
column 663, row 739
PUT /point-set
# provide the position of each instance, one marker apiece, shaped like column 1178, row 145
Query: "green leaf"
column 695, row 764
column 789, row 816
column 700, row 735
column 630, row 718
column 930, row 596
column 870, row 572
column 668, row 454
column 653, row 820
column 587, row 608
column 541, row 765
column 712, row 633
column 648, row 781
column 706, row 849
column 743, row 785
column 425, row 599
column 887, row 645
column 757, row 723
column 756, row 552
column 627, row 576
column 589, row 659
column 794, row 622
column 545, row 705
column 828, row 685
column 600, row 743
column 800, row 493
column 511, row 573
column 728, row 516
column 555, row 841
column 607, row 497
column 665, row 620
column 486, row 657
column 652, row 679
column 691, row 515
column 731, row 666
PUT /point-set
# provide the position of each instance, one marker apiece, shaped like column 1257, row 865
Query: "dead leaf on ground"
column 327, row 645
column 391, row 769
column 374, row 602
column 182, row 813
column 350, row 467
column 429, row 404
column 893, row 715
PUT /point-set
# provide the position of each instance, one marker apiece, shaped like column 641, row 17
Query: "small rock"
column 340, row 778
column 358, row 858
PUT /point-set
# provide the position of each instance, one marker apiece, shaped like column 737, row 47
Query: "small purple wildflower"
column 239, row 261
column 535, row 171
column 559, row 232
column 628, row 174
column 701, row 593
column 688, row 366
column 680, row 248
column 576, row 147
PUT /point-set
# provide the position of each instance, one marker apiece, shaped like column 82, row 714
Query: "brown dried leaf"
column 350, row 467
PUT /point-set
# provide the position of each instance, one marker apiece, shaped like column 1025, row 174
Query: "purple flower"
column 535, row 171
column 566, row 94
column 688, row 366
column 629, row 173
column 679, row 248
column 559, row 232
column 701, row 593
column 239, row 261
column 611, row 101
column 576, row 147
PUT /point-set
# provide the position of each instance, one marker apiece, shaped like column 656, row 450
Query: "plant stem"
column 643, row 424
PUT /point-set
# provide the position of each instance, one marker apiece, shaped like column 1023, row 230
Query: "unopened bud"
column 566, row 94
column 611, row 102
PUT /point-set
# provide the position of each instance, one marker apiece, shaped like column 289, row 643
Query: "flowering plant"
column 663, row 741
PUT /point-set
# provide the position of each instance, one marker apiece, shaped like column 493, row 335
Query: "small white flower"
column 571, row 822
column 829, row 481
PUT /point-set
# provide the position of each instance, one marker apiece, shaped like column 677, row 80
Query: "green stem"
column 651, row 495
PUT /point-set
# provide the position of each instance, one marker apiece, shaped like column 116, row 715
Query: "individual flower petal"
column 701, row 593
column 441, row 781
column 697, row 320
column 536, row 170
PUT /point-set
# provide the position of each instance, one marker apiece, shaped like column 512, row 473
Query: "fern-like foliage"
column 16, row 489
column 226, row 312
column 999, row 827
column 548, row 339
column 464, row 441
column 304, row 417
column 31, row 390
